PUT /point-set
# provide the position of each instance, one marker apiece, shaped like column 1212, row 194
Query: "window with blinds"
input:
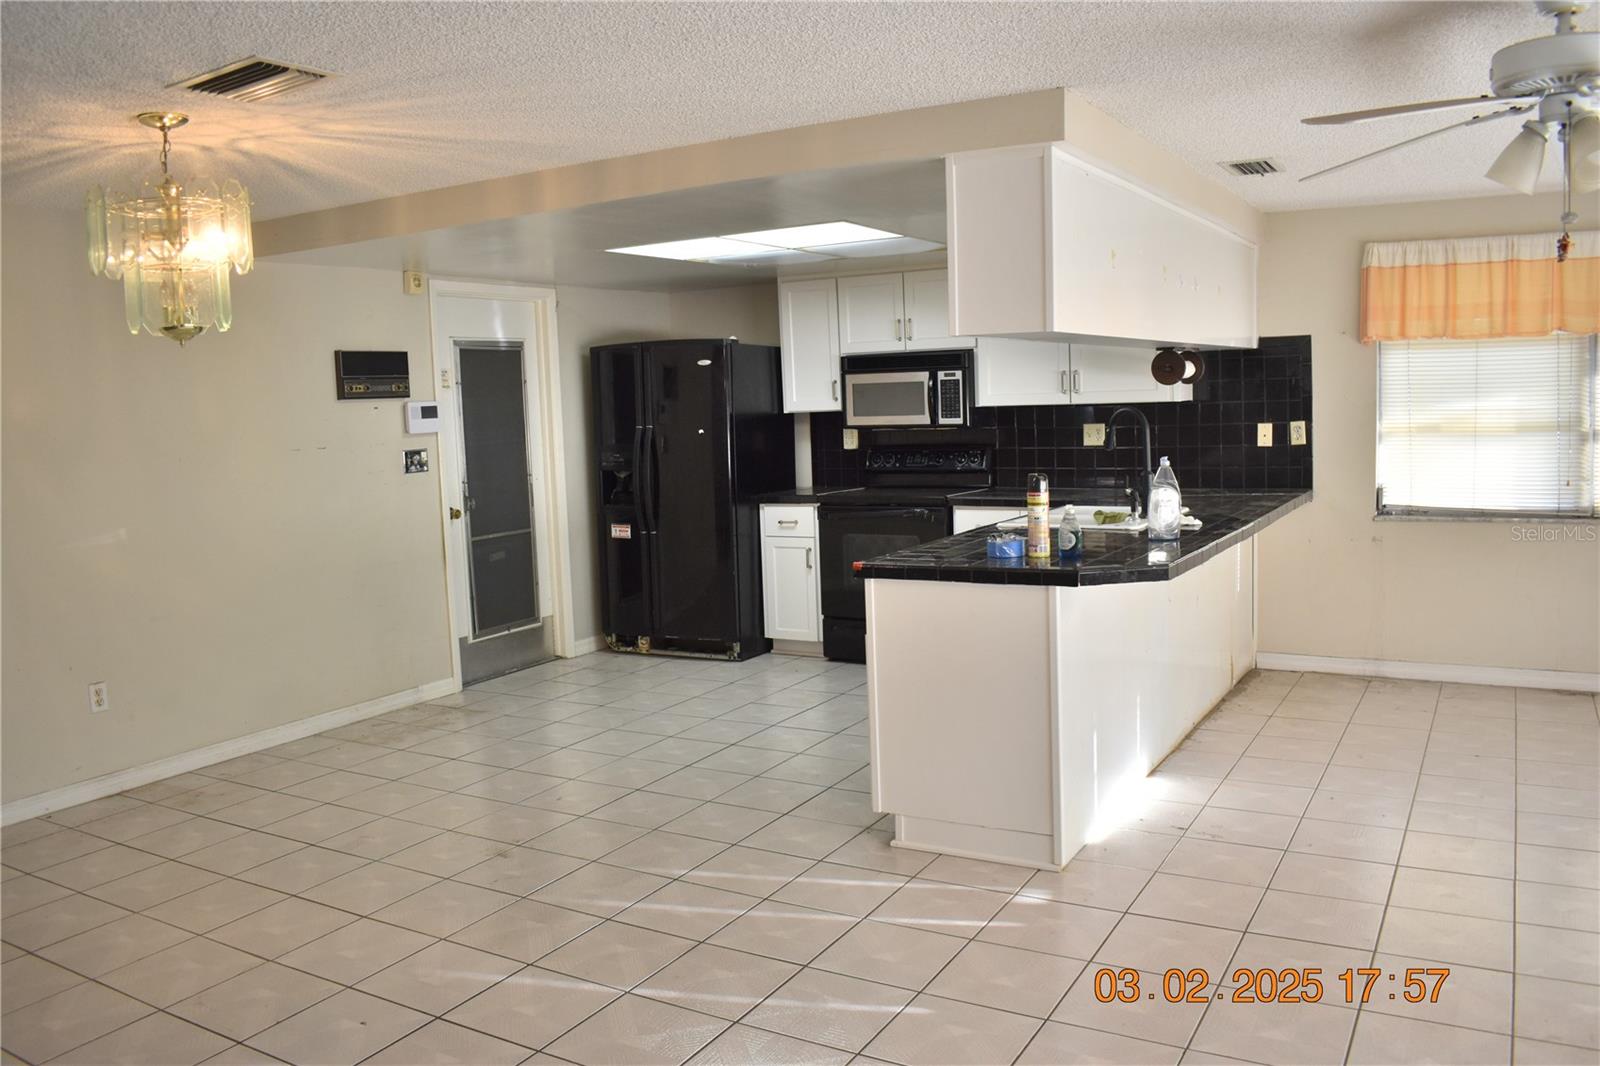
column 1504, row 426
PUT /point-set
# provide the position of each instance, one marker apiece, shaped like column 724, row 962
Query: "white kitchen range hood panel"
column 1044, row 243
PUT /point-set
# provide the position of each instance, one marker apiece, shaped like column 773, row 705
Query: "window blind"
column 1498, row 426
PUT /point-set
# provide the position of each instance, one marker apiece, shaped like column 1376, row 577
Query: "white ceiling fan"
column 1556, row 77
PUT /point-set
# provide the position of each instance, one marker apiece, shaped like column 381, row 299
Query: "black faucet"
column 1140, row 489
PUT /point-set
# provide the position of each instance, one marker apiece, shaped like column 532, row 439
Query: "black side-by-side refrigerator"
column 690, row 433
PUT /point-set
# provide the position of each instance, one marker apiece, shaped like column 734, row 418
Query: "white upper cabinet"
column 928, row 312
column 896, row 313
column 1016, row 372
column 1104, row 373
column 1012, row 372
column 872, row 313
column 808, row 330
column 1042, row 242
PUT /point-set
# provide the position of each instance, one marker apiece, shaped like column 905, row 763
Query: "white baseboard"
column 808, row 648
column 122, row 780
column 1565, row 680
column 588, row 645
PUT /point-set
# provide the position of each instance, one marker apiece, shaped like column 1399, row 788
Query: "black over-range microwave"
column 913, row 389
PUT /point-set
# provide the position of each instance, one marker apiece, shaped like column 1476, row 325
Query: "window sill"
column 1486, row 516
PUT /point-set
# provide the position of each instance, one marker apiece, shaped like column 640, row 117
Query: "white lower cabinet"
column 790, row 577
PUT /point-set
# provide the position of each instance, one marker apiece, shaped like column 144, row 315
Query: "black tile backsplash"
column 1210, row 439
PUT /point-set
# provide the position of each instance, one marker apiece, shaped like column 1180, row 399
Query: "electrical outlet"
column 413, row 283
column 99, row 697
column 1297, row 432
column 1094, row 434
column 852, row 439
column 1263, row 434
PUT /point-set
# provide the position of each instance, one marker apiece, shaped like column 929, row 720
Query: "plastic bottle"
column 1038, row 516
column 1069, row 535
column 1166, row 503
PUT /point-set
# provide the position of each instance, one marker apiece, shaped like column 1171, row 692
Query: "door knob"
column 455, row 512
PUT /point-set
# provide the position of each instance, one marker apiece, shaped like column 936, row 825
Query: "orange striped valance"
column 1480, row 287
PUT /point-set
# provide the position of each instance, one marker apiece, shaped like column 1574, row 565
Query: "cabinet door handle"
column 909, row 334
column 788, row 521
column 1064, row 386
column 897, row 330
column 808, row 558
column 836, row 390
column 1077, row 381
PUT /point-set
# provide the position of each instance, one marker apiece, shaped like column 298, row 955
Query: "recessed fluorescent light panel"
column 871, row 249
column 793, row 244
column 771, row 255
column 695, row 248
column 814, row 236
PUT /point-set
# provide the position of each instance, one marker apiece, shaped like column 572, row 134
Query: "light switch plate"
column 1094, row 434
column 1297, row 432
column 1264, row 434
column 852, row 439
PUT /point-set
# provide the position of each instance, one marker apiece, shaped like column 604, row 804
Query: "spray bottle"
column 1038, row 517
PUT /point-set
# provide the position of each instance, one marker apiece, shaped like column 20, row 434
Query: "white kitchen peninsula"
column 1016, row 707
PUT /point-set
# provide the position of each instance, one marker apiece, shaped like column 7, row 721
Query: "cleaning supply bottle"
column 1069, row 535
column 1166, row 503
column 1038, row 516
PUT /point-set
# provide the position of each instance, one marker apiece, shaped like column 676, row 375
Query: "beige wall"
column 749, row 312
column 206, row 529
column 213, row 534
column 1334, row 582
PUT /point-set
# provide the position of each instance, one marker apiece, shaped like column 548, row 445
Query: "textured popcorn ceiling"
column 434, row 94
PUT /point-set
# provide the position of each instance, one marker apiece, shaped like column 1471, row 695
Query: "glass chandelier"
column 171, row 245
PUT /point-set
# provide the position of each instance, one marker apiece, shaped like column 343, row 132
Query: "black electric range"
column 905, row 502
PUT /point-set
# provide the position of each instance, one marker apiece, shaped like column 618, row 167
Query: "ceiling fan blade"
column 1473, row 121
column 1411, row 109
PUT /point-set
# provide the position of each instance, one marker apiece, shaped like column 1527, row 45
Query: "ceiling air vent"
column 251, row 79
column 1251, row 168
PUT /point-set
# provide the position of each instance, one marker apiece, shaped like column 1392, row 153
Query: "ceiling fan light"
column 1518, row 166
column 1583, row 147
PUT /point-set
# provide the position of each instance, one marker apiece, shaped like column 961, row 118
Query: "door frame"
column 541, row 399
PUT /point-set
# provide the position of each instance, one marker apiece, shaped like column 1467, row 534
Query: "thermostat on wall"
column 422, row 416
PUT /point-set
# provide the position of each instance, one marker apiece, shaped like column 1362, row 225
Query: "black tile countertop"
column 803, row 494
column 1108, row 558
column 1018, row 497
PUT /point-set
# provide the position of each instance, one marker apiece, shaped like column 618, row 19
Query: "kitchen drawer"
column 788, row 520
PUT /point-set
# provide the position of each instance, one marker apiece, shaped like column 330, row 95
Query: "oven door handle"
column 879, row 512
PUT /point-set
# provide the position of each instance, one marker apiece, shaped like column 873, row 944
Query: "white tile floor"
column 618, row 860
